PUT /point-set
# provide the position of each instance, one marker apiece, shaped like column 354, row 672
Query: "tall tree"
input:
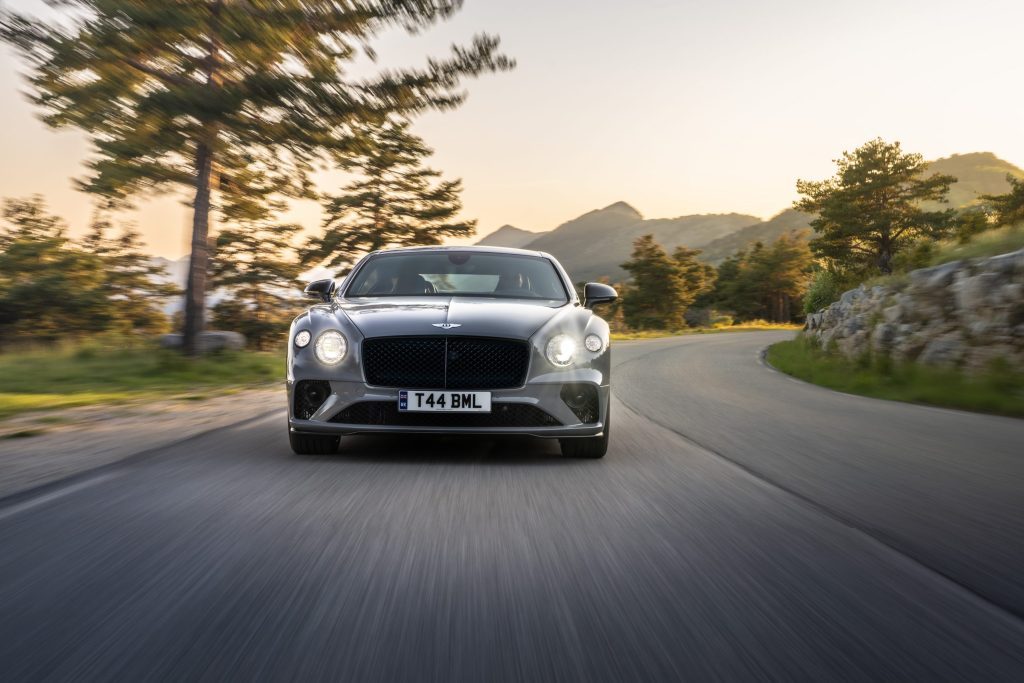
column 662, row 286
column 1009, row 207
column 135, row 285
column 765, row 282
column 780, row 276
column 236, row 99
column 257, row 266
column 395, row 200
column 871, row 209
column 698, row 277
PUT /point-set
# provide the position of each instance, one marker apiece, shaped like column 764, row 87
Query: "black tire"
column 313, row 444
column 589, row 447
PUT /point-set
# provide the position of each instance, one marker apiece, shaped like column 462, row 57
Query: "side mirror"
column 596, row 293
column 321, row 289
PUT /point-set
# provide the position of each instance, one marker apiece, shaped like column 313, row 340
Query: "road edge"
column 101, row 472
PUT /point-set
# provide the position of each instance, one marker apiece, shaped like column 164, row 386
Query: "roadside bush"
column 825, row 289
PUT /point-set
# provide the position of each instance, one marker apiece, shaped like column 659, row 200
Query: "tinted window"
column 458, row 273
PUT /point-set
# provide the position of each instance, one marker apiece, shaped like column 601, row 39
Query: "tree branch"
column 156, row 73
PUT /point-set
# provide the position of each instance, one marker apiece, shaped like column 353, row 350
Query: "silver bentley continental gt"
column 451, row 340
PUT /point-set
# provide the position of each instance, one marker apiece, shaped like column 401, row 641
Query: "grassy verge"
column 753, row 326
column 989, row 243
column 45, row 379
column 998, row 391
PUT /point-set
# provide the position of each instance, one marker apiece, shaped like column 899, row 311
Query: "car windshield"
column 459, row 273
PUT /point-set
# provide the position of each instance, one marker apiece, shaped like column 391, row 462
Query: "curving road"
column 744, row 526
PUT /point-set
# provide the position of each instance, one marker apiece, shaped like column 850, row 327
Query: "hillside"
column 509, row 236
column 977, row 174
column 594, row 244
column 765, row 232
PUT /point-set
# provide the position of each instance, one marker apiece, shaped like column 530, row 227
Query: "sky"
column 675, row 106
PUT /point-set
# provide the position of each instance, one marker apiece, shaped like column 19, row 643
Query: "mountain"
column 509, row 236
column 594, row 244
column 977, row 174
column 765, row 232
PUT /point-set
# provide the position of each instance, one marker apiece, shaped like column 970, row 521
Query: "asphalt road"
column 744, row 526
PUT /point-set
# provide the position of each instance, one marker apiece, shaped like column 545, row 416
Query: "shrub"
column 824, row 290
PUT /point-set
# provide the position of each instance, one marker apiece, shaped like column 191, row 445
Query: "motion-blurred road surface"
column 744, row 526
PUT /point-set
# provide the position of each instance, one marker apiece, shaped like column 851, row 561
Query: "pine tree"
column 137, row 287
column 781, row 275
column 699, row 277
column 662, row 286
column 48, row 289
column 236, row 99
column 871, row 209
column 395, row 201
column 765, row 282
column 257, row 267
column 1009, row 207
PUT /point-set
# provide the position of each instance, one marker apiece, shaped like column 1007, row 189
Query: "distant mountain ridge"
column 509, row 236
column 593, row 245
column 596, row 243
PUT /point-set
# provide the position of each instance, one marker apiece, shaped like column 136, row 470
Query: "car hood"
column 470, row 316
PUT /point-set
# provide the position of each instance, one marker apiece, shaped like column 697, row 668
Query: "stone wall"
column 962, row 314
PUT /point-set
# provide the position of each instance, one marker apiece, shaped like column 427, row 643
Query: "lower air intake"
column 502, row 415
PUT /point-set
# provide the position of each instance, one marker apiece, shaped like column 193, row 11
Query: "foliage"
column 51, row 287
column 989, row 243
column 662, row 286
column 259, row 269
column 765, row 282
column 132, row 283
column 1000, row 390
column 1009, row 207
column 970, row 222
column 237, row 100
column 749, row 326
column 98, row 373
column 871, row 209
column 395, row 201
column 823, row 290
column 48, row 288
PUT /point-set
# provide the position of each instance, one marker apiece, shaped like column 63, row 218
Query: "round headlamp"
column 561, row 350
column 593, row 343
column 331, row 347
column 302, row 339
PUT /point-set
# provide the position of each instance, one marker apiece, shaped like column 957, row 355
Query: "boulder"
column 960, row 314
column 947, row 350
column 882, row 337
column 209, row 342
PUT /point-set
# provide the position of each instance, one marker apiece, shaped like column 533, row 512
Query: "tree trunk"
column 885, row 256
column 195, row 291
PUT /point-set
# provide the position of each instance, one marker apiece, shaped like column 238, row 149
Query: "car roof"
column 475, row 248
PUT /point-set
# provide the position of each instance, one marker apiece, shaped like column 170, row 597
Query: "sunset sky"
column 674, row 106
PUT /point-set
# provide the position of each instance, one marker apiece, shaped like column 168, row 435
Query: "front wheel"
column 591, row 447
column 313, row 444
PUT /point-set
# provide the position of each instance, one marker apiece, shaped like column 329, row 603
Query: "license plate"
column 413, row 401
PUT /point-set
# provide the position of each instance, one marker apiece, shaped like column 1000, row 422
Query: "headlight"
column 331, row 347
column 561, row 350
column 593, row 343
column 302, row 339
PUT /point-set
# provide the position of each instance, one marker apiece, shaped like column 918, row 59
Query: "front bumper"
column 543, row 393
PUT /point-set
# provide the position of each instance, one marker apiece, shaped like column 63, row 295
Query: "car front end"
column 448, row 363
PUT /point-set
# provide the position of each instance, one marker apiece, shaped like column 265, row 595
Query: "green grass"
column 752, row 326
column 997, row 391
column 989, row 243
column 70, row 376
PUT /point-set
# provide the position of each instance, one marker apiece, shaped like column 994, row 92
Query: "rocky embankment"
column 962, row 314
